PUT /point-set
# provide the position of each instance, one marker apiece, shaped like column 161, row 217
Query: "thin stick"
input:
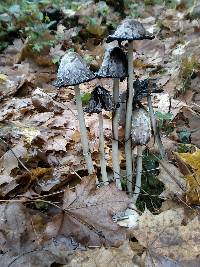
column 115, row 123
column 154, row 127
column 83, row 131
column 128, row 150
column 138, row 182
column 101, row 149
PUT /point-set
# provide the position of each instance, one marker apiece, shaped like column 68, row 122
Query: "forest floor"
column 51, row 212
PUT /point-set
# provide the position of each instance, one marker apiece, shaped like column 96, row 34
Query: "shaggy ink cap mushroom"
column 142, row 88
column 130, row 30
column 114, row 65
column 73, row 71
column 141, row 127
column 100, row 99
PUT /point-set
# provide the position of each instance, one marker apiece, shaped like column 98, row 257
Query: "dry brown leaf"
column 57, row 143
column 45, row 101
column 102, row 257
column 17, row 77
column 89, row 211
column 194, row 121
column 172, row 179
column 152, row 51
column 8, row 161
column 21, row 238
column 164, row 235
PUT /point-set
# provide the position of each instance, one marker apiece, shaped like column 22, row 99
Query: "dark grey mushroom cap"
column 130, row 30
column 114, row 64
column 72, row 71
column 100, row 99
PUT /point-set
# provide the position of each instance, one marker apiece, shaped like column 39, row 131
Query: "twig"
column 76, row 173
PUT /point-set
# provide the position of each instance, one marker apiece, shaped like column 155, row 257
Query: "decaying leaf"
column 89, row 211
column 164, row 235
column 21, row 239
column 193, row 180
column 102, row 257
column 172, row 179
column 8, row 161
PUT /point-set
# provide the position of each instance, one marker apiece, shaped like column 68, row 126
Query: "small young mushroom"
column 129, row 30
column 141, row 133
column 100, row 99
column 114, row 66
column 74, row 71
column 144, row 88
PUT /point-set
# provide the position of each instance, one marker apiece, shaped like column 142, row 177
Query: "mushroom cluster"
column 117, row 64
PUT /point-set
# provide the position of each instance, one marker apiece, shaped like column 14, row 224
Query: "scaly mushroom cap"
column 100, row 99
column 141, row 126
column 130, row 30
column 144, row 88
column 73, row 71
column 114, row 64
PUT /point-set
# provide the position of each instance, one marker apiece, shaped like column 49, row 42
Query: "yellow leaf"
column 192, row 159
column 3, row 78
column 193, row 189
column 76, row 136
column 193, row 180
column 45, row 173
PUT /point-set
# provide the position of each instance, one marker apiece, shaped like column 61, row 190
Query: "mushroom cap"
column 130, row 30
column 141, row 126
column 100, row 99
column 72, row 71
column 114, row 64
column 144, row 88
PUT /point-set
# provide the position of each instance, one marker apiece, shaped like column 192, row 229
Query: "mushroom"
column 144, row 88
column 141, row 133
column 100, row 99
column 74, row 71
column 114, row 66
column 129, row 30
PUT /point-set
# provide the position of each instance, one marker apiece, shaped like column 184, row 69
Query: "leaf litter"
column 51, row 210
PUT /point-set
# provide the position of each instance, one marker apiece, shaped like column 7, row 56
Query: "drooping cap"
column 141, row 126
column 114, row 64
column 100, row 99
column 130, row 30
column 144, row 87
column 72, row 71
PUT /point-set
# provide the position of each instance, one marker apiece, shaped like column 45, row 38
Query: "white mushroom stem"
column 128, row 150
column 138, row 182
column 101, row 150
column 154, row 127
column 115, row 123
column 83, row 131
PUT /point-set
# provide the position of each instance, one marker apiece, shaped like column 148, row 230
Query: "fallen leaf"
column 172, row 179
column 22, row 233
column 193, row 180
column 76, row 136
column 89, row 211
column 102, row 257
column 194, row 122
column 57, row 143
column 164, row 235
column 8, row 161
